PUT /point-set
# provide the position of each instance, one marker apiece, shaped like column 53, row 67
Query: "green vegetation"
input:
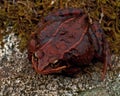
column 23, row 16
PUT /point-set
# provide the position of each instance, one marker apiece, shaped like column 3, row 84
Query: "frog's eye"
column 54, row 64
column 55, row 61
column 35, row 56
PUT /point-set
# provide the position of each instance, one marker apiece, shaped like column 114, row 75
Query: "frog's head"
column 47, row 61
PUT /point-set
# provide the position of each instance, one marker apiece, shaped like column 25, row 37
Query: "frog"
column 65, row 40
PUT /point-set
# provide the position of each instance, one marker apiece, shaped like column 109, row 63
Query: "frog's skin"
column 65, row 40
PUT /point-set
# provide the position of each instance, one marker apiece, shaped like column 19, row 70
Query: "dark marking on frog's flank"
column 68, row 41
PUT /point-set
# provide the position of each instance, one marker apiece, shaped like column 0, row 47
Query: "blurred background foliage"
column 24, row 15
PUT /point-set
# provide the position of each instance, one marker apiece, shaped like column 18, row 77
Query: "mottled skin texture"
column 65, row 41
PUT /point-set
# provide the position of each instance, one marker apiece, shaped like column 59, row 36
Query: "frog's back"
column 67, row 35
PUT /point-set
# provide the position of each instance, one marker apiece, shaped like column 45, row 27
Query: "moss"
column 24, row 15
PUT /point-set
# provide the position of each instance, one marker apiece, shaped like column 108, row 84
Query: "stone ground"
column 18, row 78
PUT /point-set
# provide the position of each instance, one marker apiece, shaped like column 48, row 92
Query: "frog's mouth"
column 51, row 68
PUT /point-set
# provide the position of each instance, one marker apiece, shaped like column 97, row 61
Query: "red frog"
column 65, row 40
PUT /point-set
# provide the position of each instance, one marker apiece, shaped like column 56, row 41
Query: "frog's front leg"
column 103, row 52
